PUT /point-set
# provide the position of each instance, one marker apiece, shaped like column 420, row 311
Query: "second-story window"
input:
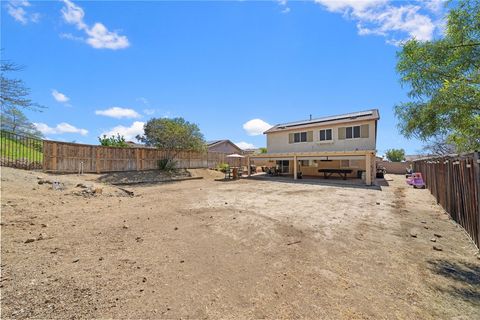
column 353, row 132
column 325, row 134
column 300, row 137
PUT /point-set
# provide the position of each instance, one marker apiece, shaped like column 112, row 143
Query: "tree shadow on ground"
column 466, row 277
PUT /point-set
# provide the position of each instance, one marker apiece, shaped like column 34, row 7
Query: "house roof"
column 372, row 114
column 213, row 143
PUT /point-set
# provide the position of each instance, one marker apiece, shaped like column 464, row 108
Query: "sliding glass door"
column 283, row 166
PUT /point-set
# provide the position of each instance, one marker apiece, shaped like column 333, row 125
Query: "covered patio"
column 348, row 166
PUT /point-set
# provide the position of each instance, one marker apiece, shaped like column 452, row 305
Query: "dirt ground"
column 204, row 249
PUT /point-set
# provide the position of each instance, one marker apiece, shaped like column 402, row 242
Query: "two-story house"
column 344, row 143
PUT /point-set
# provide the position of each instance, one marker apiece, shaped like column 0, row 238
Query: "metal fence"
column 20, row 151
column 454, row 180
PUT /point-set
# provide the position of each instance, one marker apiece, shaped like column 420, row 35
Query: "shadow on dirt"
column 331, row 182
column 142, row 177
column 466, row 276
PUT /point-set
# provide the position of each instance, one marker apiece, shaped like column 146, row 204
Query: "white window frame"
column 300, row 135
column 331, row 135
column 353, row 130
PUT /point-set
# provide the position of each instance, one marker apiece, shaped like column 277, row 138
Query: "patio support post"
column 248, row 167
column 368, row 168
column 295, row 167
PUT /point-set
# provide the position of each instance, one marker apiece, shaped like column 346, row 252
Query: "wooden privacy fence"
column 455, row 183
column 72, row 157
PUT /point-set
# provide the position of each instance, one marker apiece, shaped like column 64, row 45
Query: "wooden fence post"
column 44, row 151
column 97, row 159
column 137, row 156
column 54, row 156
column 476, row 168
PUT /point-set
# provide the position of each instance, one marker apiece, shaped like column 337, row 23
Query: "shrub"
column 113, row 141
column 223, row 167
column 167, row 165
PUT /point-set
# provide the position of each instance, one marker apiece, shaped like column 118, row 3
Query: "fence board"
column 455, row 182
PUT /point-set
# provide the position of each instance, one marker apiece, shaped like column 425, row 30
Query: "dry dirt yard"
column 206, row 249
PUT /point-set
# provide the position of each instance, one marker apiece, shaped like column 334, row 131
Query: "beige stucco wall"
column 278, row 141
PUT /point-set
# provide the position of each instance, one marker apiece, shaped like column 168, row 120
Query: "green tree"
column 14, row 120
column 395, row 155
column 173, row 136
column 113, row 141
column 263, row 150
column 444, row 82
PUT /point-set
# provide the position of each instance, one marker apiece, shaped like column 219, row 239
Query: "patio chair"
column 228, row 173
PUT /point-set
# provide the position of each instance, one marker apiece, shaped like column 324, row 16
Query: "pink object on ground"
column 409, row 179
column 416, row 180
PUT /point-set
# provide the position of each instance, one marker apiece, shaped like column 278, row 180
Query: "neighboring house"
column 225, row 146
column 252, row 151
column 413, row 157
column 132, row 144
column 346, row 141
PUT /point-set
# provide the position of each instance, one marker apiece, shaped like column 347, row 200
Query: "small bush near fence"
column 167, row 165
column 455, row 183
column 223, row 167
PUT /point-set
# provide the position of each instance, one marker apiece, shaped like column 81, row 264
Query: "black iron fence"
column 454, row 180
column 20, row 151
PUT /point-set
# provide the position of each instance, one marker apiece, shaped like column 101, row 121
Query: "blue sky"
column 105, row 67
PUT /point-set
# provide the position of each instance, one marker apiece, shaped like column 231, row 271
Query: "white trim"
column 331, row 134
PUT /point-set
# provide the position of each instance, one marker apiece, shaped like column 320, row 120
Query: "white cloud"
column 256, row 127
column 245, row 145
column 284, row 3
column 382, row 17
column 18, row 13
column 60, row 129
column 435, row 6
column 354, row 5
column 129, row 133
column 60, row 97
column 98, row 36
column 16, row 9
column 73, row 14
column 101, row 38
column 117, row 112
